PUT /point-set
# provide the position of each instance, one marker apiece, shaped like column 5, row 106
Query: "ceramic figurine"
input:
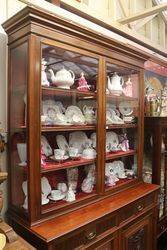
column 163, row 105
column 83, row 85
column 70, row 196
column 89, row 181
column 124, row 142
column 45, row 81
column 128, row 89
column 43, row 157
column 72, row 178
column 63, row 79
column 88, row 184
column 111, row 180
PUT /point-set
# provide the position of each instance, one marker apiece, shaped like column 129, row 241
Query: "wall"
column 155, row 29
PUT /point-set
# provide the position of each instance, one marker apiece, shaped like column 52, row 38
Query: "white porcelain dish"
column 112, row 140
column 125, row 108
column 58, row 198
column 62, row 142
column 78, row 140
column 47, row 150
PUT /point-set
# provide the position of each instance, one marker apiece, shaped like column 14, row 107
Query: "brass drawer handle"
column 140, row 208
column 91, row 235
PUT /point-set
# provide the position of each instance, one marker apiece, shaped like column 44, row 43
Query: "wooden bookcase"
column 109, row 213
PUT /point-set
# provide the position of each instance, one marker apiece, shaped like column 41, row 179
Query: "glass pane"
column 155, row 89
column 68, row 122
column 18, row 131
column 147, row 156
column 122, row 112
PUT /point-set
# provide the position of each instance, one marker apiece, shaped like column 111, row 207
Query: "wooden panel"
column 139, row 235
column 91, row 213
column 136, row 208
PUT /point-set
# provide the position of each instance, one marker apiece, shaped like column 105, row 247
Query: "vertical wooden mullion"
column 33, row 121
column 101, row 122
column 140, row 124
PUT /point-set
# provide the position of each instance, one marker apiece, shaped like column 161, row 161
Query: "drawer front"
column 88, row 234
column 162, row 226
column 136, row 208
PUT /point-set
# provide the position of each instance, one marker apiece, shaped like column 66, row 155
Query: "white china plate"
column 62, row 142
column 47, row 150
column 50, row 106
column 118, row 166
column 24, row 187
column 78, row 140
column 74, row 111
column 122, row 177
column 125, row 108
column 65, row 157
column 89, row 157
column 57, row 198
column 45, row 186
column 60, row 105
column 112, row 138
column 93, row 138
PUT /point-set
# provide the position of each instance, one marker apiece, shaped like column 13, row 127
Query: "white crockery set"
column 79, row 146
column 55, row 114
column 113, row 143
column 114, row 171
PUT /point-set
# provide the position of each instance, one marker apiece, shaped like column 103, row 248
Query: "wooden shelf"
column 120, row 98
column 120, row 183
column 62, row 203
column 58, row 128
column 53, row 166
column 111, row 156
column 47, row 91
column 125, row 125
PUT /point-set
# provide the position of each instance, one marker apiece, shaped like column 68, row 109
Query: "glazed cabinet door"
column 123, row 121
column 70, row 106
column 18, row 128
column 139, row 235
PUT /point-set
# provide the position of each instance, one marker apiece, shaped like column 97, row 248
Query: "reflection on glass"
column 18, row 135
column 68, row 119
column 122, row 111
column 155, row 89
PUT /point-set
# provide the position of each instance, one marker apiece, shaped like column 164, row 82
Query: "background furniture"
column 120, row 215
column 156, row 160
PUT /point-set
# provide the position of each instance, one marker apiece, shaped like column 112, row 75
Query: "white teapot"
column 63, row 78
column 115, row 84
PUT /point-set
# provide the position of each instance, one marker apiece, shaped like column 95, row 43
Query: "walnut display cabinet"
column 76, row 137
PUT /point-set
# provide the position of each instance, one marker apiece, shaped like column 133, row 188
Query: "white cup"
column 73, row 152
column 59, row 153
column 89, row 153
column 43, row 119
column 55, row 194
